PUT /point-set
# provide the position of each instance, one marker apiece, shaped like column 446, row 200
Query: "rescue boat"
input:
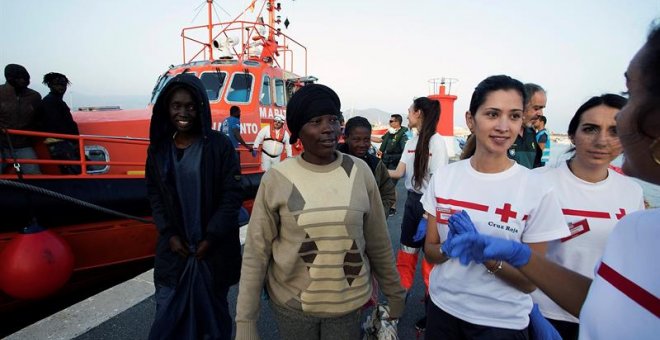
column 100, row 218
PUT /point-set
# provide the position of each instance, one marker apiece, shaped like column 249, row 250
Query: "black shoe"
column 392, row 212
column 420, row 325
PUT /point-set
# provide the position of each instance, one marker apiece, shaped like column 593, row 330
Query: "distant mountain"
column 375, row 116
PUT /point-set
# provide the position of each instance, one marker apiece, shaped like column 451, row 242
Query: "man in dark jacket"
column 525, row 150
column 393, row 142
column 392, row 145
column 17, row 110
column 193, row 182
column 54, row 115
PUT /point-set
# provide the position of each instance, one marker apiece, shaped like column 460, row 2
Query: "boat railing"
column 123, row 156
column 249, row 33
column 133, row 162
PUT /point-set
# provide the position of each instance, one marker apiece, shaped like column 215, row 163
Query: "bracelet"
column 497, row 269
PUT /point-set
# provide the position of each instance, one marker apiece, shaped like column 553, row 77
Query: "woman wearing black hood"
column 193, row 183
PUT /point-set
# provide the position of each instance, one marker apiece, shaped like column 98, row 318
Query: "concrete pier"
column 126, row 311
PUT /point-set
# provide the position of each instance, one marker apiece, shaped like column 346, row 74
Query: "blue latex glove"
column 460, row 223
column 540, row 328
column 451, row 249
column 421, row 230
column 479, row 248
column 254, row 153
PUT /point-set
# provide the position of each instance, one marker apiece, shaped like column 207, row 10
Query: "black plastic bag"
column 191, row 311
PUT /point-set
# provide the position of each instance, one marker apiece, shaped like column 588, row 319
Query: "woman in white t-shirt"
column 423, row 155
column 593, row 198
column 489, row 300
column 621, row 302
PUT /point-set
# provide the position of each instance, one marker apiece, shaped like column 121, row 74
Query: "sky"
column 374, row 54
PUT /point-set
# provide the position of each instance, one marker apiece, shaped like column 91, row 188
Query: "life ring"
column 36, row 263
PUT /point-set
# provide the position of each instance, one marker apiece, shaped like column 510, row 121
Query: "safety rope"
column 70, row 199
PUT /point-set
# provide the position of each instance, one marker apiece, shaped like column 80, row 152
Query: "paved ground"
column 134, row 323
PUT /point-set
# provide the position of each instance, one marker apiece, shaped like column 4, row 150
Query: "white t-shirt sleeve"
column 438, row 151
column 546, row 221
column 406, row 156
column 428, row 199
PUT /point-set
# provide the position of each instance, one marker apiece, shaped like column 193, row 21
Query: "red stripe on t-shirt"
column 632, row 290
column 586, row 213
column 462, row 204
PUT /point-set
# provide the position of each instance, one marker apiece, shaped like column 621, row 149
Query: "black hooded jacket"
column 221, row 193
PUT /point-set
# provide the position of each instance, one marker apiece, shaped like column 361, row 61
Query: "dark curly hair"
column 49, row 78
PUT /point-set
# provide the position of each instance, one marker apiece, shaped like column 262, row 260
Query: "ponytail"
column 430, row 115
column 469, row 148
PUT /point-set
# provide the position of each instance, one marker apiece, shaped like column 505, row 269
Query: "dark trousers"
column 391, row 162
column 442, row 325
column 413, row 212
column 68, row 151
column 298, row 325
column 567, row 330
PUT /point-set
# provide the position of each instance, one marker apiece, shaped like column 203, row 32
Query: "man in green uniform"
column 392, row 145
column 525, row 151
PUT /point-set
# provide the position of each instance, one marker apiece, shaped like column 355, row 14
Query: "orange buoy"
column 36, row 263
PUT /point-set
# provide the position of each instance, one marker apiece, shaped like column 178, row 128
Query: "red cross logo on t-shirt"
column 622, row 212
column 506, row 212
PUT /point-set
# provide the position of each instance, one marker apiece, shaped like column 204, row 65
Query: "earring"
column 655, row 150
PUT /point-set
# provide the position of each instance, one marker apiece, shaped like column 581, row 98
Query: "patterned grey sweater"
column 316, row 236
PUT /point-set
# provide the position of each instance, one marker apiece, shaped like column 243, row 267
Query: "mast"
column 210, row 25
column 271, row 19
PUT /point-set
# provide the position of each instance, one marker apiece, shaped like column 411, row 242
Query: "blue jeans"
column 28, row 153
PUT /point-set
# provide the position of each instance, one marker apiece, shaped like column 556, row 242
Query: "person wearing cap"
column 317, row 234
column 274, row 139
column 17, row 111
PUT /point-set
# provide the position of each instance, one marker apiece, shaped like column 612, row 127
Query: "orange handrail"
column 246, row 163
column 82, row 141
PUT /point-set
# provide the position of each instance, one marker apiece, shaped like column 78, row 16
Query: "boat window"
column 240, row 89
column 279, row 93
column 162, row 80
column 213, row 82
column 264, row 97
column 100, row 154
